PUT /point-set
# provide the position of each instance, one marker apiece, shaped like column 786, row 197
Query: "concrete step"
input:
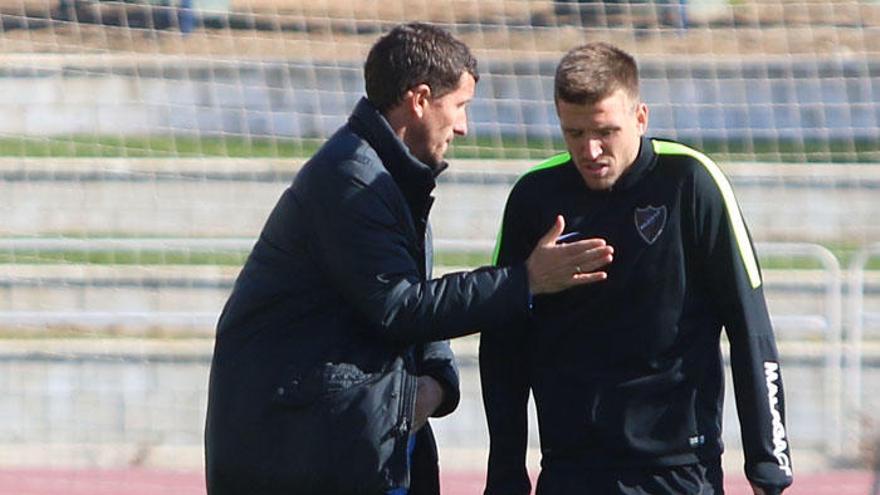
column 232, row 198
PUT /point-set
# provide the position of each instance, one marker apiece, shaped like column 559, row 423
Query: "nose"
column 460, row 127
column 594, row 148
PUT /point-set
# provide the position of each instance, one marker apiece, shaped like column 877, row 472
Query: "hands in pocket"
column 428, row 398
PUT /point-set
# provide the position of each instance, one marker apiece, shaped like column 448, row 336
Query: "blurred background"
column 144, row 142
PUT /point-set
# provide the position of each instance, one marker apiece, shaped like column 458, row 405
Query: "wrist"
column 431, row 392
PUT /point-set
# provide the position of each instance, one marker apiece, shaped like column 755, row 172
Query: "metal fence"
column 808, row 313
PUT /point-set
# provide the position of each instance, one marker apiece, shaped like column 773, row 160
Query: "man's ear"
column 642, row 118
column 418, row 99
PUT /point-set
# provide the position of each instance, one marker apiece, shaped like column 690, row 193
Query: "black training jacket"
column 312, row 381
column 628, row 372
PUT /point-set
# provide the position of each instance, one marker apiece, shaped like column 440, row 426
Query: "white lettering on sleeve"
column 771, row 375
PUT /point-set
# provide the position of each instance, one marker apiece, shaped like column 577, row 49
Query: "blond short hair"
column 592, row 72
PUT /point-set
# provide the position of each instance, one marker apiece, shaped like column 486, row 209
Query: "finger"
column 601, row 255
column 594, row 258
column 554, row 232
column 588, row 278
column 573, row 248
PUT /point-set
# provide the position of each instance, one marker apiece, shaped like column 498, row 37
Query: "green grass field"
column 485, row 147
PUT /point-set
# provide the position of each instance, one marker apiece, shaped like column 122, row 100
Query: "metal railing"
column 837, row 416
column 136, row 318
column 135, row 244
column 212, row 244
column 859, row 318
column 829, row 323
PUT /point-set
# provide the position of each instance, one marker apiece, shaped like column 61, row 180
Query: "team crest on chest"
column 650, row 221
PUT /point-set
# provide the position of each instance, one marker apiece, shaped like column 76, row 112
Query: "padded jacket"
column 334, row 314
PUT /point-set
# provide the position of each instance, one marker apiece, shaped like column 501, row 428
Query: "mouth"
column 596, row 167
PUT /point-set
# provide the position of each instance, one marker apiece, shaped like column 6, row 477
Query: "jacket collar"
column 409, row 172
column 641, row 166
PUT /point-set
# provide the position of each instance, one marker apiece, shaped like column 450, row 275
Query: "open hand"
column 554, row 267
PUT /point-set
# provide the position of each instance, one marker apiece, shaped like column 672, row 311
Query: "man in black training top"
column 627, row 374
column 329, row 354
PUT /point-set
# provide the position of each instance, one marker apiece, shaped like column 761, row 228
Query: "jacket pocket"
column 344, row 430
column 322, row 383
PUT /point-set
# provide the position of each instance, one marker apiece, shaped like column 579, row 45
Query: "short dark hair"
column 413, row 54
column 592, row 72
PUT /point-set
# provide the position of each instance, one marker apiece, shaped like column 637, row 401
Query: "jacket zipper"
column 398, row 469
column 407, row 405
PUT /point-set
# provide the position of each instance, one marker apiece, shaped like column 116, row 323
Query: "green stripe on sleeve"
column 733, row 212
column 553, row 161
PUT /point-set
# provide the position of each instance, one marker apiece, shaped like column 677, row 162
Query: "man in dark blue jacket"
column 330, row 352
column 627, row 375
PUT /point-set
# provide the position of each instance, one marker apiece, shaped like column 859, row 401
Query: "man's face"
column 441, row 120
column 603, row 138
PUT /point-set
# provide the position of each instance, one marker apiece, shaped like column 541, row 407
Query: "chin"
column 601, row 185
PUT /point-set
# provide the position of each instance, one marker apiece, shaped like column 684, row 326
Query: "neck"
column 398, row 121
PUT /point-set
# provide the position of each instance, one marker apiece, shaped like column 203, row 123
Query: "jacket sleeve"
column 437, row 361
column 370, row 254
column 735, row 278
column 504, row 379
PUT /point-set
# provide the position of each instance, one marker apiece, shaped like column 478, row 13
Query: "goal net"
column 144, row 142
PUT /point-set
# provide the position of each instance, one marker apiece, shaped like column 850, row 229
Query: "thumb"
column 554, row 232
